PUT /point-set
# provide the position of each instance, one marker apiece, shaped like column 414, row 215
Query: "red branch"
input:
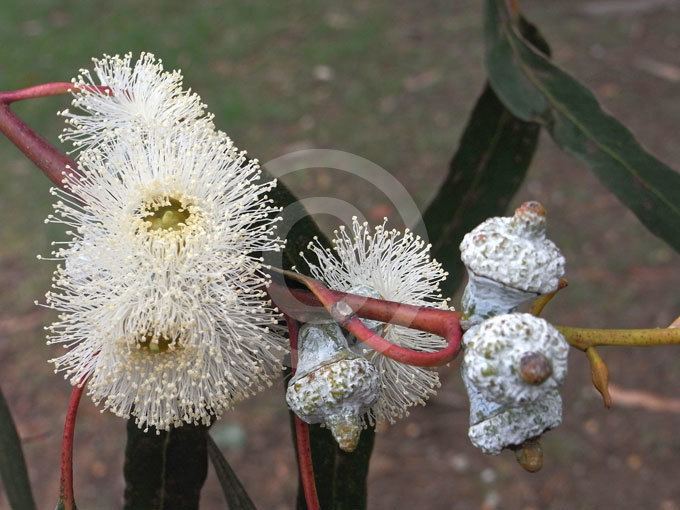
column 46, row 157
column 66, row 496
column 304, row 450
column 343, row 307
column 43, row 90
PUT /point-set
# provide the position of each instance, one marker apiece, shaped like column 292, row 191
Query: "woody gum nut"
column 336, row 394
column 515, row 358
column 509, row 261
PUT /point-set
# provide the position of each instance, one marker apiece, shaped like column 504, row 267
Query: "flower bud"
column 509, row 261
column 332, row 385
column 515, row 358
column 514, row 365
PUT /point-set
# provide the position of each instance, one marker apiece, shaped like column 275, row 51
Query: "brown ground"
column 399, row 95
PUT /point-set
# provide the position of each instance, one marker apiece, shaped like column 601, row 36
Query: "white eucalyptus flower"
column 386, row 264
column 140, row 96
column 161, row 294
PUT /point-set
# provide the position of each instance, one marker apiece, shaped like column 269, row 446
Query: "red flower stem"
column 304, row 450
column 46, row 157
column 343, row 306
column 42, row 90
column 66, row 483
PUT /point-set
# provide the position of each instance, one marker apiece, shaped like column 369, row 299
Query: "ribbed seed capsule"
column 332, row 385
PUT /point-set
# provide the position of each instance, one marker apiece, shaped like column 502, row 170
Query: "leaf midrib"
column 511, row 34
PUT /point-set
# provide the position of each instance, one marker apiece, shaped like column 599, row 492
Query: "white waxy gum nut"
column 509, row 260
column 332, row 385
column 513, row 368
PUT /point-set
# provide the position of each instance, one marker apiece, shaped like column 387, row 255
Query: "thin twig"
column 582, row 338
column 66, row 495
column 46, row 157
column 304, row 449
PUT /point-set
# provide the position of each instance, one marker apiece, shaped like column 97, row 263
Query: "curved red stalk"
column 48, row 158
column 304, row 450
column 343, row 306
column 45, row 156
column 42, row 90
column 66, row 496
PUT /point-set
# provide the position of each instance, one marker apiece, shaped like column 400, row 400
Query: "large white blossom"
column 396, row 267
column 119, row 94
column 161, row 296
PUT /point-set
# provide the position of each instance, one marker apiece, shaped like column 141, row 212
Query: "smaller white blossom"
column 140, row 96
column 396, row 267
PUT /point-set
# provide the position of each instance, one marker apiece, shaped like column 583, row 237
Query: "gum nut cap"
column 337, row 394
column 515, row 358
column 514, row 251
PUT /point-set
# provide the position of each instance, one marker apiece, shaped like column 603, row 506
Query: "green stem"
column 582, row 338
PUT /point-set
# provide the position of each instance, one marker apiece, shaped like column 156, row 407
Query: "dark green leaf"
column 487, row 169
column 299, row 226
column 12, row 464
column 167, row 470
column 234, row 492
column 534, row 89
column 351, row 474
column 485, row 173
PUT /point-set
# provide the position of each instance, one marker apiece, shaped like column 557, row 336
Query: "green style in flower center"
column 172, row 216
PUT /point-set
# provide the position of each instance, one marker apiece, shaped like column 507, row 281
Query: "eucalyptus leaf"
column 12, row 464
column 486, row 171
column 166, row 470
column 535, row 89
column 234, row 492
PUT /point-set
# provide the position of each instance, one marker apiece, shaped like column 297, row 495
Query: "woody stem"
column 45, row 156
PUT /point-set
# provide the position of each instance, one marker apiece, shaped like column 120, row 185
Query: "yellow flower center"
column 172, row 216
column 153, row 344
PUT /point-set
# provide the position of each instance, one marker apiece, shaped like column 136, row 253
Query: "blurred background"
column 394, row 82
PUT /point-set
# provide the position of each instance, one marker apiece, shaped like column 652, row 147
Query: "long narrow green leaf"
column 535, row 89
column 12, row 464
column 167, row 470
column 351, row 474
column 486, row 171
column 234, row 492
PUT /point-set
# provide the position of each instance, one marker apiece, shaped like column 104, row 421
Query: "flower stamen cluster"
column 161, row 293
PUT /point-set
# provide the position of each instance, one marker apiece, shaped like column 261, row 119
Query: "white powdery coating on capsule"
column 337, row 394
column 170, row 325
column 514, row 251
column 512, row 426
column 399, row 268
column 495, row 348
column 140, row 96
